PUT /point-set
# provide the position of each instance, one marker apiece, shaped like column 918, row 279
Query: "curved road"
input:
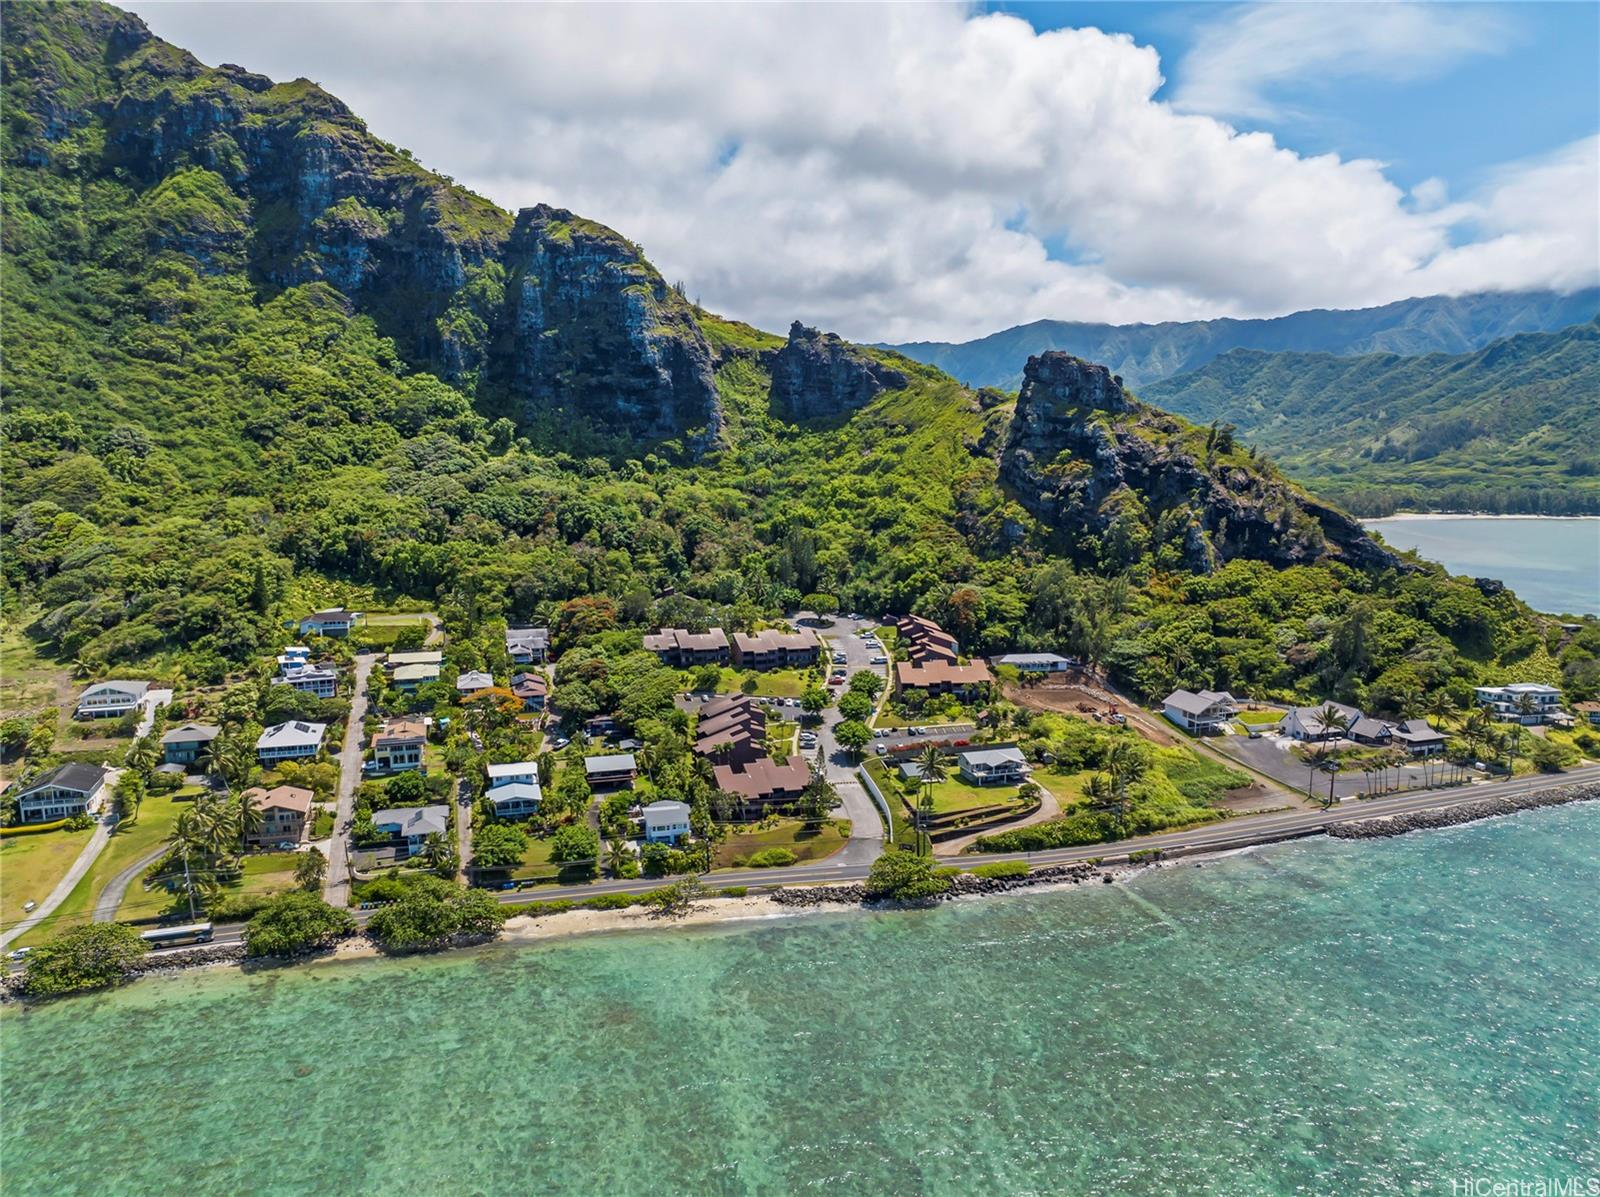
column 105, row 906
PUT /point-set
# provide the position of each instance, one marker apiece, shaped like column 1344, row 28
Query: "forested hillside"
column 254, row 357
column 1514, row 426
column 1146, row 353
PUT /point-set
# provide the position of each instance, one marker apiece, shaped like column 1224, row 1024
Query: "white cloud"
column 897, row 172
column 1237, row 60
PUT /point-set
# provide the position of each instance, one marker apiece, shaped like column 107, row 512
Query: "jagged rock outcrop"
column 818, row 374
column 589, row 327
column 1081, row 455
column 283, row 181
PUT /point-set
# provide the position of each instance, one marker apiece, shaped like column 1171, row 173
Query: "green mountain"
column 1143, row 353
column 1514, row 426
column 256, row 359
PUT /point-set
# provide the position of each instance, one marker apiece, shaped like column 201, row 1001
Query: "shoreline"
column 1469, row 515
column 521, row 929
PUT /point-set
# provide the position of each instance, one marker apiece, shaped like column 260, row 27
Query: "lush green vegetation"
column 1001, row 869
column 1510, row 427
column 88, row 957
column 430, row 913
column 905, row 877
column 296, row 922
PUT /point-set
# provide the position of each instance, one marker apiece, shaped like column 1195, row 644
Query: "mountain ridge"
column 1145, row 353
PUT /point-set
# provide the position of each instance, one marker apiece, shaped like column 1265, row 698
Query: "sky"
column 940, row 172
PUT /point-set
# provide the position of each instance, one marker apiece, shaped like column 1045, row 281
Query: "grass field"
column 128, row 843
column 1067, row 787
column 30, row 867
column 954, row 795
column 30, row 681
column 807, row 843
column 774, row 683
column 264, row 873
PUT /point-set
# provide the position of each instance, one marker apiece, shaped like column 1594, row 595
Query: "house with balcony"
column 609, row 770
column 285, row 810
column 310, row 679
column 763, row 783
column 1036, row 662
column 335, row 621
column 1521, row 702
column 290, row 741
column 772, row 649
column 666, row 822
column 1306, row 723
column 516, row 800
column 935, row 675
column 408, row 827
column 406, row 678
column 1205, row 713
column 513, row 773
column 65, row 791
column 993, row 766
column 532, row 689
column 683, row 649
column 472, row 681
column 110, row 700
column 183, row 745
column 528, row 646
column 399, row 744
column 1417, row 736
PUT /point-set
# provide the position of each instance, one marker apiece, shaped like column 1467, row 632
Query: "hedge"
column 32, row 828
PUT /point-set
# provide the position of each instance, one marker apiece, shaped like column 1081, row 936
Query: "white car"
column 880, row 660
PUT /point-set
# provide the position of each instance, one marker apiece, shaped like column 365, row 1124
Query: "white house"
column 290, row 741
column 528, row 646
column 294, row 657
column 335, row 621
column 67, row 790
column 1200, row 713
column 1036, row 662
column 993, row 766
column 1305, row 723
column 409, row 677
column 666, row 822
column 516, row 799
column 310, row 679
column 111, row 700
column 512, row 772
column 412, row 824
column 1506, row 702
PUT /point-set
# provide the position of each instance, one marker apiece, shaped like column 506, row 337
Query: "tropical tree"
column 310, row 869
column 142, row 756
column 815, row 700
column 130, row 795
column 247, row 816
column 439, row 854
column 932, row 769
column 853, row 734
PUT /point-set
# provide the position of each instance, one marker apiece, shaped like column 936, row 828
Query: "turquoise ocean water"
column 1552, row 564
column 1323, row 1017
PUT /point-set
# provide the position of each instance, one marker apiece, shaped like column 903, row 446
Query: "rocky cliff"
column 817, row 374
column 1084, row 456
column 284, row 182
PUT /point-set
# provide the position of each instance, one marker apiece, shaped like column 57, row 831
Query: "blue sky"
column 1533, row 92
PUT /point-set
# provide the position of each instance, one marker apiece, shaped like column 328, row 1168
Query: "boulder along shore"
column 1468, row 812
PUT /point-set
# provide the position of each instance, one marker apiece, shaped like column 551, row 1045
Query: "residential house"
column 296, row 656
column 615, row 769
column 666, row 822
column 528, row 646
column 935, row 676
column 335, row 621
column 415, row 656
column 772, row 649
column 399, row 744
column 1589, row 711
column 764, row 782
column 683, row 649
column 183, row 745
column 284, row 811
column 516, row 800
column 1204, row 713
column 1417, row 736
column 924, row 640
column 513, row 773
column 406, row 678
column 993, row 766
column 111, row 700
column 601, row 726
column 410, row 826
column 1374, row 733
column 1305, row 723
column 472, row 681
column 1506, row 702
column 532, row 688
column 310, row 679
column 67, row 790
column 290, row 741
column 1037, row 662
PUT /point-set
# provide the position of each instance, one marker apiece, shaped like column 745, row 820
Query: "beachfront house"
column 290, row 741
column 992, row 766
column 284, row 812
column 110, row 700
column 1306, row 724
column 1203, row 713
column 1417, row 736
column 183, row 745
column 763, row 782
column 516, row 800
column 409, row 827
column 666, row 822
column 65, row 791
column 1521, row 702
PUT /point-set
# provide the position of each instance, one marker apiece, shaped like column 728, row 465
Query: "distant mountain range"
column 1513, row 426
column 1144, row 353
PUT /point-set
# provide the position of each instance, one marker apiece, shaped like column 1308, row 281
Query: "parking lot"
column 1274, row 755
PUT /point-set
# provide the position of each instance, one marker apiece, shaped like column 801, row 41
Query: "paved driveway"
column 336, row 889
column 1275, row 756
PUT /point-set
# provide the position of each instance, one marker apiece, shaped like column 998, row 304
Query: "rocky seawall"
column 964, row 885
column 1469, row 812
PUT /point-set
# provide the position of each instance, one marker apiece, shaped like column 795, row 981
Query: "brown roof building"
column 764, row 782
column 683, row 648
column 925, row 640
column 942, row 677
column 735, row 731
column 284, row 810
column 772, row 649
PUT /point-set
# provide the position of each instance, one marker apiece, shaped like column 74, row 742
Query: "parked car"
column 880, row 660
column 881, row 749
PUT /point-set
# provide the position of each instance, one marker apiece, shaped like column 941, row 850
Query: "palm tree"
column 932, row 770
column 247, row 816
column 141, row 756
column 1126, row 764
column 617, row 855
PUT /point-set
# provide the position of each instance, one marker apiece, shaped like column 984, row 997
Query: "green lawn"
column 1067, row 787
column 264, row 873
column 952, row 797
column 807, row 843
column 128, row 843
column 31, row 865
column 773, row 683
column 1259, row 718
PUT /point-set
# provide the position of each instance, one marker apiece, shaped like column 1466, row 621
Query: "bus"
column 171, row 937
